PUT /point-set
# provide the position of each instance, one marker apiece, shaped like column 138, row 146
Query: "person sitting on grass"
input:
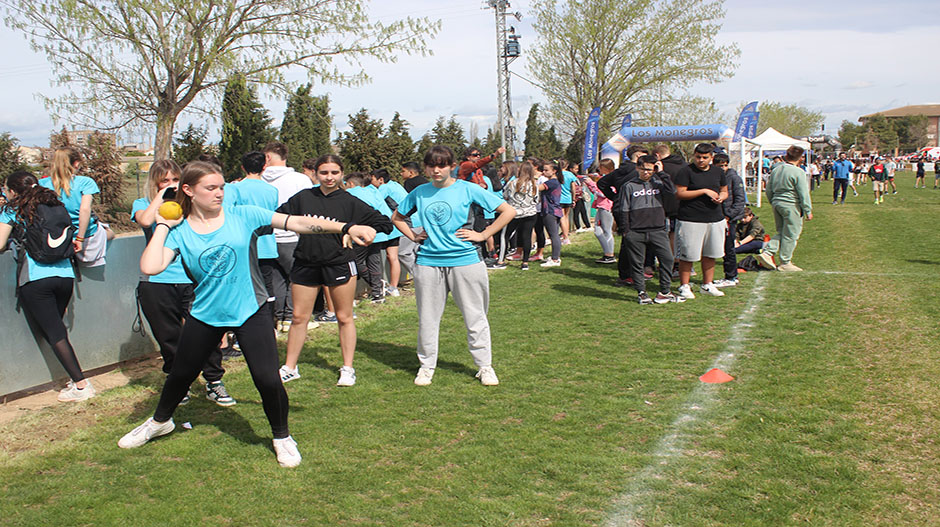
column 645, row 227
column 449, row 261
column 749, row 234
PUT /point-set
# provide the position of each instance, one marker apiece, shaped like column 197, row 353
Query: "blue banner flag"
column 748, row 114
column 590, row 139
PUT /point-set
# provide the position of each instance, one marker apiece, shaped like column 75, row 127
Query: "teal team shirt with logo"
column 174, row 273
column 224, row 265
column 443, row 211
column 81, row 185
column 33, row 270
column 260, row 194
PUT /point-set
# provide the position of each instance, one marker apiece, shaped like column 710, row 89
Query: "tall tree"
column 10, row 160
column 246, row 125
column 362, row 146
column 879, row 135
column 423, row 145
column 790, row 119
column 398, row 145
column 101, row 162
column 306, row 126
column 912, row 131
column 129, row 61
column 189, row 144
column 540, row 139
column 848, row 134
column 643, row 52
column 492, row 141
column 449, row 133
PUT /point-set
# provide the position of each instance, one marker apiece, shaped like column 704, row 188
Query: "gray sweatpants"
column 283, row 306
column 471, row 290
column 407, row 252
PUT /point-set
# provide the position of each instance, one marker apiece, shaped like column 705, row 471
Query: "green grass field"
column 600, row 418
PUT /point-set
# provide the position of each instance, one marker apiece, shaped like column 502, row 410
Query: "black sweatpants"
column 260, row 351
column 730, row 260
column 369, row 266
column 521, row 228
column 165, row 306
column 580, row 214
column 638, row 245
column 45, row 301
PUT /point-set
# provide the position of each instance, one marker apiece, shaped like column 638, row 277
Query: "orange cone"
column 715, row 376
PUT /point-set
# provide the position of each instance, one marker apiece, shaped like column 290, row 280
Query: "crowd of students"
column 278, row 250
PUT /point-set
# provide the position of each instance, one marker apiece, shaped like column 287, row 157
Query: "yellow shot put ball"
column 171, row 210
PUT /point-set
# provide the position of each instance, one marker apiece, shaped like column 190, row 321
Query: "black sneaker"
column 643, row 298
column 216, row 392
column 606, row 260
column 377, row 299
column 524, row 266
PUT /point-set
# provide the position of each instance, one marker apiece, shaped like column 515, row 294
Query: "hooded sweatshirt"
column 641, row 203
column 287, row 182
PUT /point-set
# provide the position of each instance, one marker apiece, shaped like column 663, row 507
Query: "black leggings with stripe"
column 259, row 347
column 44, row 302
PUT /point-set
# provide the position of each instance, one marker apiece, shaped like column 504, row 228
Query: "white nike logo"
column 55, row 242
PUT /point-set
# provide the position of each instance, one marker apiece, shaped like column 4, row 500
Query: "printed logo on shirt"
column 646, row 192
column 218, row 260
column 439, row 212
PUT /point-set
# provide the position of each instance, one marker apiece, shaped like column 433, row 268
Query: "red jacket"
column 471, row 171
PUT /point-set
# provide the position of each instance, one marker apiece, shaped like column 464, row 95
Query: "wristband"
column 79, row 238
column 285, row 221
column 345, row 229
column 167, row 225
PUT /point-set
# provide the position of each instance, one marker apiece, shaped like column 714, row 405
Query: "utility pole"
column 507, row 50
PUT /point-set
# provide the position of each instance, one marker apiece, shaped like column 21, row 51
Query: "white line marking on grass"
column 628, row 507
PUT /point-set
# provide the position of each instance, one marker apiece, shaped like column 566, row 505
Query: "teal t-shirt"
column 394, row 190
column 174, row 273
column 33, row 270
column 442, row 212
column 569, row 178
column 224, row 265
column 375, row 199
column 81, row 185
column 260, row 194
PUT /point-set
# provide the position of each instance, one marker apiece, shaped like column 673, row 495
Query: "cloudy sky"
column 841, row 58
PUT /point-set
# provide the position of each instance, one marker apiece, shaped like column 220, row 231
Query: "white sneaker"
column 551, row 263
column 685, row 291
column 72, row 393
column 288, row 374
column 726, row 282
column 347, row 376
column 287, row 453
column 424, row 376
column 393, row 291
column 711, row 290
column 487, row 376
column 313, row 324
column 145, row 432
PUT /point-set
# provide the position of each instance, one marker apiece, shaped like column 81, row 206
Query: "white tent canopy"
column 774, row 140
column 771, row 140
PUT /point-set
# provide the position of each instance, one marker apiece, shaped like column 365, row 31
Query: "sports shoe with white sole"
column 72, row 393
column 643, row 298
column 288, row 374
column 711, row 290
column 216, row 392
column 424, row 376
column 685, row 291
column 766, row 259
column 393, row 291
column 551, row 263
column 347, row 376
column 287, row 453
column 665, row 298
column 788, row 267
column 726, row 282
column 145, row 432
column 487, row 376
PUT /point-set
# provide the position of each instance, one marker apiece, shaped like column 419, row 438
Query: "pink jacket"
column 600, row 201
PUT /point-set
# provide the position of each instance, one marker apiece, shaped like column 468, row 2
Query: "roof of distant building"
column 930, row 110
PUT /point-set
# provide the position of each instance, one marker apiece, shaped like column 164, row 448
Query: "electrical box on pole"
column 507, row 50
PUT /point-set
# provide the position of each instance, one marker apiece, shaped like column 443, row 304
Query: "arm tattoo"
column 316, row 229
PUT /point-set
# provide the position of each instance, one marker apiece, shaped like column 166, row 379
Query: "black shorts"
column 392, row 243
column 327, row 275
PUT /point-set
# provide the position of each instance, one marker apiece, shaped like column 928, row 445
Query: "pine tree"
column 246, row 125
column 399, row 146
column 306, row 127
column 10, row 161
column 190, row 144
column 492, row 142
column 423, row 145
column 449, row 133
column 533, row 133
column 362, row 146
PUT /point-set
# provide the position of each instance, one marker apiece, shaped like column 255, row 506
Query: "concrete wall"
column 99, row 319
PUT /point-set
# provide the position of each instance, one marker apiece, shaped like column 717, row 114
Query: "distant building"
column 30, row 154
column 80, row 137
column 932, row 111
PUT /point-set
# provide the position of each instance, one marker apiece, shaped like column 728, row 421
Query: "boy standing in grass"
column 448, row 260
column 788, row 193
column 645, row 227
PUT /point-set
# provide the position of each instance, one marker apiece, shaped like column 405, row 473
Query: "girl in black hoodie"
column 322, row 261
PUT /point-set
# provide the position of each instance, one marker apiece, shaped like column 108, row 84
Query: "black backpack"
column 48, row 237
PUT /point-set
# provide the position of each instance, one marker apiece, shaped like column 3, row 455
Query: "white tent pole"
column 760, row 172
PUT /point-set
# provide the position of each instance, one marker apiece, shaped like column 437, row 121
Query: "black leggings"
column 260, row 350
column 165, row 306
column 580, row 213
column 521, row 228
column 44, row 302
